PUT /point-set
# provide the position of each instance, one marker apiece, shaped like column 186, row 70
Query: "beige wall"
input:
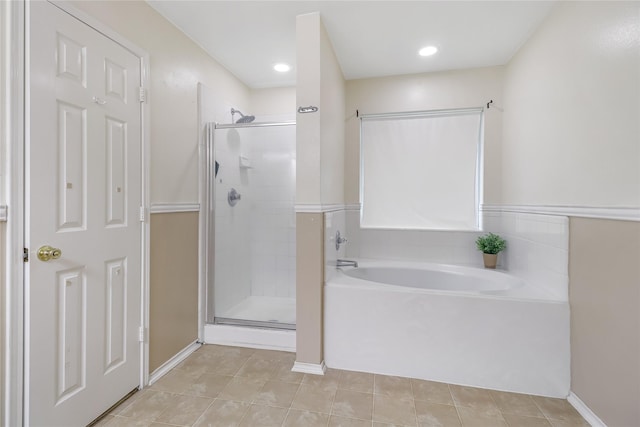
column 177, row 65
column 273, row 101
column 2, row 314
column 309, row 287
column 308, row 175
column 571, row 137
column 320, row 136
column 572, row 109
column 174, row 292
column 452, row 89
column 604, row 294
column 332, row 127
column 319, row 175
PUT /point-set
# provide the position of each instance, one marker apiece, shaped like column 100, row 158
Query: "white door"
column 83, row 183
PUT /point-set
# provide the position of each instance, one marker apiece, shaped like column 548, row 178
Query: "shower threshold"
column 254, row 323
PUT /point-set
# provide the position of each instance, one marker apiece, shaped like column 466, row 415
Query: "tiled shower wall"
column 232, row 244
column 537, row 246
column 272, row 156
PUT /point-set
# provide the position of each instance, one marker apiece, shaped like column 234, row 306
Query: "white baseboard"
column 243, row 336
column 173, row 362
column 584, row 410
column 310, row 368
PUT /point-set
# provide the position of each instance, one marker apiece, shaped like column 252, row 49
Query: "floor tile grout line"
column 497, row 406
column 415, row 410
column 296, row 394
column 373, row 398
column 544, row 417
column 544, row 414
column 286, row 416
column 205, row 411
column 246, row 411
column 335, row 393
column 453, row 400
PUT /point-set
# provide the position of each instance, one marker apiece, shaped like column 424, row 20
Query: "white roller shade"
column 421, row 171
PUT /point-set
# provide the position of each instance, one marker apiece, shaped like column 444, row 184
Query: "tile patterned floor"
column 232, row 386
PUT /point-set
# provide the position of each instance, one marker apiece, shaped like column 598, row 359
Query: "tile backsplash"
column 334, row 222
column 537, row 246
column 445, row 247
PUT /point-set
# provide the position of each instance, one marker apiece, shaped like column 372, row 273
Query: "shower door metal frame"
column 208, row 199
column 251, row 125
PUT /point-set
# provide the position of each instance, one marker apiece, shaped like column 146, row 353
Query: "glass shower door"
column 254, row 226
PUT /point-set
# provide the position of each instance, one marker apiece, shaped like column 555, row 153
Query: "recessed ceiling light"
column 282, row 68
column 427, row 51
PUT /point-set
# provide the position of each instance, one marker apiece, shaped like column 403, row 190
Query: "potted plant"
column 490, row 245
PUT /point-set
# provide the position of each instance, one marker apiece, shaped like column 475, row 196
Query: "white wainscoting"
column 614, row 213
column 174, row 207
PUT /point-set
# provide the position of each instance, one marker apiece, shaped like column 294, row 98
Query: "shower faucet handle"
column 339, row 240
column 233, row 196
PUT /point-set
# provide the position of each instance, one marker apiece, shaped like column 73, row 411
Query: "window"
column 421, row 170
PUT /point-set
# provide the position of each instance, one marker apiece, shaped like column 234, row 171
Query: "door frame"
column 13, row 131
column 15, row 54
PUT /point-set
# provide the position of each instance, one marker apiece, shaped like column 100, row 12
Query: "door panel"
column 116, row 309
column 116, row 157
column 84, row 186
column 71, row 324
column 72, row 144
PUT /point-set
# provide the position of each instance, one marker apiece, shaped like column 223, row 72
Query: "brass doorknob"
column 45, row 253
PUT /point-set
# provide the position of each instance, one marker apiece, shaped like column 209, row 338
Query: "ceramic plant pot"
column 490, row 260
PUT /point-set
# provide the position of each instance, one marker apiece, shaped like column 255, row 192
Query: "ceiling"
column 370, row 38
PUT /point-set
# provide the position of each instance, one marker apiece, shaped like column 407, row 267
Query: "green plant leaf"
column 491, row 244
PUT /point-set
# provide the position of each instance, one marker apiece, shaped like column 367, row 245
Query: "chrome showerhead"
column 243, row 118
column 246, row 119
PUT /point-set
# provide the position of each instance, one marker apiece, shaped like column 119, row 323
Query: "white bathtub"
column 452, row 324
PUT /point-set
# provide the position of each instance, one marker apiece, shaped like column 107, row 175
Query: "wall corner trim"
column 3, row 213
column 310, row 368
column 584, row 410
column 174, row 207
column 599, row 212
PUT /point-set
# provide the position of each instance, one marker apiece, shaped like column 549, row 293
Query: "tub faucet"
column 347, row 263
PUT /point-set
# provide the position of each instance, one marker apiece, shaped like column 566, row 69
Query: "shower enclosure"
column 252, row 224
